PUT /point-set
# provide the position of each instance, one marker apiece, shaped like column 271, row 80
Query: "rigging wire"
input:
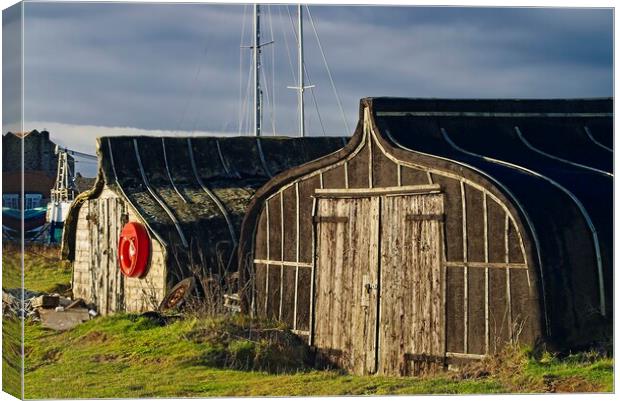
column 273, row 73
column 288, row 51
column 243, row 123
column 193, row 90
column 269, row 100
column 244, row 112
column 198, row 114
column 287, row 46
column 331, row 80
column 245, row 107
column 241, row 51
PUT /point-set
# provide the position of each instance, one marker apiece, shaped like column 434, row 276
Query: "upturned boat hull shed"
column 165, row 209
column 443, row 230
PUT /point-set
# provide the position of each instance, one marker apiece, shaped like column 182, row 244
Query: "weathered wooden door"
column 379, row 282
column 411, row 330
column 105, row 224
column 346, row 282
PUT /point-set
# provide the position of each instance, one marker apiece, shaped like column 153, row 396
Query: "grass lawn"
column 130, row 356
column 43, row 271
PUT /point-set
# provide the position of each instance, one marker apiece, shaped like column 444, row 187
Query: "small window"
column 10, row 200
column 33, row 200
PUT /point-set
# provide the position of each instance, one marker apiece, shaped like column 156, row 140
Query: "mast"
column 300, row 48
column 258, row 112
column 301, row 86
column 256, row 61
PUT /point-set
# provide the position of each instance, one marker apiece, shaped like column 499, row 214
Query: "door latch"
column 367, row 285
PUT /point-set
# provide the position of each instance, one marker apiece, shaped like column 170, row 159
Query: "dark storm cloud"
column 11, row 68
column 176, row 66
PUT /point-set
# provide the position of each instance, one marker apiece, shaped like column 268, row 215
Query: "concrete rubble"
column 52, row 310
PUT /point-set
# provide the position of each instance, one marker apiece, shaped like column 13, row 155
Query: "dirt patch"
column 104, row 358
column 94, row 337
column 52, row 355
column 554, row 384
column 49, row 357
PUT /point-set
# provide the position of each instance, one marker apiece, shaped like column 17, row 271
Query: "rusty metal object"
column 178, row 294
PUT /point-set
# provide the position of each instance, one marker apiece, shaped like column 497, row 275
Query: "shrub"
column 239, row 342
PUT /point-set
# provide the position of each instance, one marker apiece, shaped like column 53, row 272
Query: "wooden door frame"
column 379, row 192
column 372, row 192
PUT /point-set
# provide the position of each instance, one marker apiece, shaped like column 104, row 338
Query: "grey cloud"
column 137, row 65
column 11, row 68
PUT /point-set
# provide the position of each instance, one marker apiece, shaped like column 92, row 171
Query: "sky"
column 93, row 69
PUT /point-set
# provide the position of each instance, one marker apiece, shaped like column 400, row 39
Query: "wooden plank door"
column 94, row 236
column 346, row 281
column 105, row 215
column 411, row 328
column 113, row 208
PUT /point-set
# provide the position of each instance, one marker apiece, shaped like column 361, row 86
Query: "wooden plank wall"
column 346, row 329
column 412, row 269
column 489, row 297
column 96, row 274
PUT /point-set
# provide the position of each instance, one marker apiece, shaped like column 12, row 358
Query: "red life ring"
column 133, row 249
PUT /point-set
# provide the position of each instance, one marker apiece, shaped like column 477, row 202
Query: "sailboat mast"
column 300, row 48
column 258, row 112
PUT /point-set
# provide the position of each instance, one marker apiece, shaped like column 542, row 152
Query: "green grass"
column 42, row 269
column 11, row 356
column 11, row 276
column 579, row 371
column 11, row 327
column 128, row 356
column 123, row 355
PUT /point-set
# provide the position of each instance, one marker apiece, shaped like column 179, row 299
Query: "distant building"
column 39, row 168
column 38, row 172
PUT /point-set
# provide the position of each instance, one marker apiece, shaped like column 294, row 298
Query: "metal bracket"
column 259, row 46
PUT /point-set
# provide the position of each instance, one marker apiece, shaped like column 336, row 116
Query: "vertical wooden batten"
column 486, row 273
column 465, row 272
column 507, row 260
column 370, row 140
column 376, row 253
column 297, row 238
column 267, row 231
column 312, row 274
column 281, row 253
column 444, row 281
column 106, row 287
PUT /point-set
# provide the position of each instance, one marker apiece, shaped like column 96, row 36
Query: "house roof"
column 192, row 192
